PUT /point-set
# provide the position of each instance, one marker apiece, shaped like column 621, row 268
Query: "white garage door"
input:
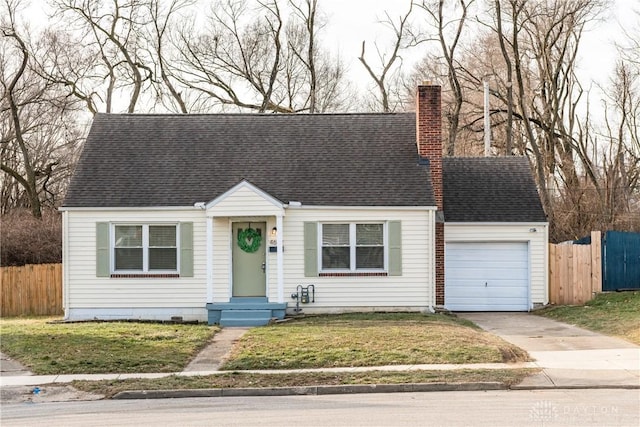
column 486, row 276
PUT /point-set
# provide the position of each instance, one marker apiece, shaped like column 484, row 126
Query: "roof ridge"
column 254, row 114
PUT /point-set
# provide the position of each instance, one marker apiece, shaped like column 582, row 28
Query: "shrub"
column 28, row 240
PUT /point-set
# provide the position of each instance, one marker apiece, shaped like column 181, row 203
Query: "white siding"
column 414, row 289
column 90, row 296
column 86, row 291
column 537, row 241
column 244, row 202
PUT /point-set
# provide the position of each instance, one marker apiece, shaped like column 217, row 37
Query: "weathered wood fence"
column 575, row 271
column 31, row 290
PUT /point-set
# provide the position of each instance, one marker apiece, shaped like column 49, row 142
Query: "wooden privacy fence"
column 31, row 290
column 575, row 271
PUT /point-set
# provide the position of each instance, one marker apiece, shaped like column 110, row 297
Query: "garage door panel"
column 503, row 266
column 486, row 274
column 490, row 264
column 509, row 291
column 489, row 306
column 496, row 287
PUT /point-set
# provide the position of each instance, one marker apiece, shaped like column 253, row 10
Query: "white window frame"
column 145, row 247
column 352, row 248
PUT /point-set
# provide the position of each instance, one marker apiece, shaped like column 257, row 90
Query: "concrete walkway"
column 10, row 367
column 216, row 352
column 570, row 356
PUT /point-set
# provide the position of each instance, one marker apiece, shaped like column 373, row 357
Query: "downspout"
column 280, row 257
column 65, row 262
column 209, row 261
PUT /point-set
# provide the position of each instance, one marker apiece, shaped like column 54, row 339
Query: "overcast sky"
column 349, row 22
column 352, row 21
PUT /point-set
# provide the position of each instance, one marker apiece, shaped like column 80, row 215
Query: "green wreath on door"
column 249, row 240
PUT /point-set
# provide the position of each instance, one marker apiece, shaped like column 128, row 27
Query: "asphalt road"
column 594, row 407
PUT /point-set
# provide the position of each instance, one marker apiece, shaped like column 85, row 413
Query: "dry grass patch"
column 101, row 347
column 109, row 388
column 376, row 339
column 612, row 313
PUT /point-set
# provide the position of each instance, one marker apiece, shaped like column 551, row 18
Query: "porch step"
column 245, row 317
column 245, row 312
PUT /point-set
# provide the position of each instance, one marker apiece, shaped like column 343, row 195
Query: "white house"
column 231, row 218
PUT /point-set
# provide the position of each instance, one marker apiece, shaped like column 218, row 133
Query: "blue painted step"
column 245, row 312
column 245, row 317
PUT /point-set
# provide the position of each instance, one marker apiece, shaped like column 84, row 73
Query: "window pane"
column 128, row 236
column 370, row 257
column 369, row 234
column 335, row 234
column 162, row 259
column 162, row 235
column 335, row 257
column 128, row 258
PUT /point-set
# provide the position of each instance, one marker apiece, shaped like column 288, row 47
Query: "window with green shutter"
column 144, row 248
column 356, row 247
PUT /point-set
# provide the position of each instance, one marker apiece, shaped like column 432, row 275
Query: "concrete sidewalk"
column 569, row 356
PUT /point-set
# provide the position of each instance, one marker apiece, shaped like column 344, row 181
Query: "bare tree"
column 112, row 34
column 261, row 59
column 448, row 48
column 38, row 129
column 308, row 56
column 157, row 40
column 403, row 38
column 236, row 61
column 509, row 71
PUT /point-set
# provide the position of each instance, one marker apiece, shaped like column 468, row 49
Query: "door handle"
column 264, row 267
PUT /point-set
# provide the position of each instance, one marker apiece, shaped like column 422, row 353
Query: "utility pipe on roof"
column 487, row 122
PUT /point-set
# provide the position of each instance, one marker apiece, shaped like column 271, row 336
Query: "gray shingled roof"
column 490, row 189
column 177, row 160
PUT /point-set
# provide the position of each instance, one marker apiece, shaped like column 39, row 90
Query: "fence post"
column 553, row 275
column 596, row 262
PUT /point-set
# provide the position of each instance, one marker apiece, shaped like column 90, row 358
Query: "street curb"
column 309, row 390
column 577, row 387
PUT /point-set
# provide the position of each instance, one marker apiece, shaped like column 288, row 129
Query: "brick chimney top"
column 429, row 134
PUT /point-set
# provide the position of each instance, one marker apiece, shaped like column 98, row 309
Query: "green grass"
column 369, row 340
column 93, row 347
column 108, row 388
column 614, row 313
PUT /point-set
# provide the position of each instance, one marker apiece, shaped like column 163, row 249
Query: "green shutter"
column 186, row 249
column 103, row 267
column 310, row 249
column 395, row 248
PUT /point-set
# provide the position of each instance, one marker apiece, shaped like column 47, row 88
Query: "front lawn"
column 375, row 339
column 101, row 347
column 612, row 313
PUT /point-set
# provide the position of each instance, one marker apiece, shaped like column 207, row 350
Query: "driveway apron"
column 570, row 356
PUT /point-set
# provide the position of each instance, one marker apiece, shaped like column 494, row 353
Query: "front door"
column 248, row 253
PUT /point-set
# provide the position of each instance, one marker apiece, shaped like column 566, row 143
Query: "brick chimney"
column 429, row 142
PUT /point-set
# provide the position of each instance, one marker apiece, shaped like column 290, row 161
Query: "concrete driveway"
column 570, row 356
